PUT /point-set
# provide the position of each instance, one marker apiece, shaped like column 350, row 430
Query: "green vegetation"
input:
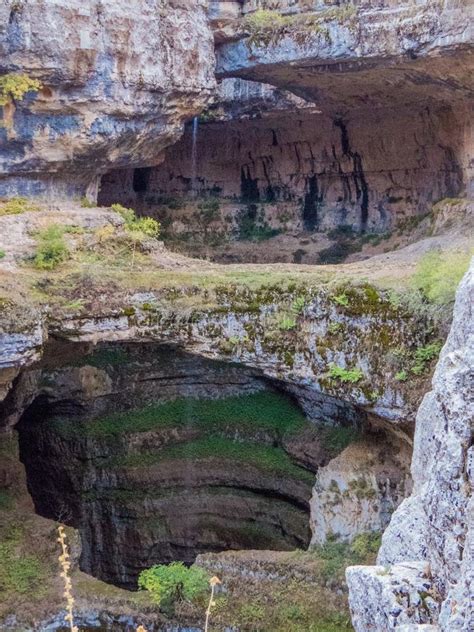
column 252, row 225
column 340, row 299
column 264, row 410
column 267, row 27
column 337, row 556
column 16, row 206
column 173, row 583
column 52, row 249
column 335, row 328
column 401, row 376
column 13, row 87
column 438, row 275
column 139, row 227
column 266, row 458
column 424, row 355
column 351, row 376
column 19, row 573
column 85, row 203
column 286, row 322
column 3, row 254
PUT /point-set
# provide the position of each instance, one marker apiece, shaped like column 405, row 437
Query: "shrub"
column 16, row 206
column 2, row 254
column 351, row 376
column 52, row 249
column 85, row 203
column 173, row 583
column 438, row 275
column 139, row 227
column 15, row 86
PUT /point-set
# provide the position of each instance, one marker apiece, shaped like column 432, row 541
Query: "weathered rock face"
column 360, row 56
column 301, row 171
column 432, row 531
column 148, row 485
column 118, row 83
column 359, row 490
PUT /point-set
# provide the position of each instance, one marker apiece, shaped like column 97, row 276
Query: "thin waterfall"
column 194, row 156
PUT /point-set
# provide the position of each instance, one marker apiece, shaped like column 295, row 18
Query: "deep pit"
column 156, row 455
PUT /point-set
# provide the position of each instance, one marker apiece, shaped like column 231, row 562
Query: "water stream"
column 194, row 156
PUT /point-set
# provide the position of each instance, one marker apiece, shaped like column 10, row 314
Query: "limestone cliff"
column 426, row 559
column 118, row 81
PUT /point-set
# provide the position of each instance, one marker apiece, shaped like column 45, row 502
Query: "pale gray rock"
column 435, row 525
column 119, row 79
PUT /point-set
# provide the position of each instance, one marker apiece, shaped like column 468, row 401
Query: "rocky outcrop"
column 117, row 82
column 369, row 55
column 359, row 490
column 428, row 546
column 345, row 342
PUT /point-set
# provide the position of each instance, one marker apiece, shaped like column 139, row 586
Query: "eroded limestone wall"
column 311, row 171
column 119, row 79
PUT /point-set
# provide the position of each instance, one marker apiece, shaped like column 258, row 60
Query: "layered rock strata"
column 147, row 481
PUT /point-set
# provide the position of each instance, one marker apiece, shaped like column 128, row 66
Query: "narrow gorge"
column 236, row 315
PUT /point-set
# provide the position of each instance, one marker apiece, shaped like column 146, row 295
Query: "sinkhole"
column 157, row 455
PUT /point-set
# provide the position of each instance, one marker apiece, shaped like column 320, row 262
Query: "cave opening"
column 326, row 189
column 156, row 455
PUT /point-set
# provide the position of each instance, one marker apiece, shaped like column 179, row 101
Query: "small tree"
column 169, row 584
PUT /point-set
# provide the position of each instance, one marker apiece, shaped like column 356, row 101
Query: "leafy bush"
column 351, row 376
column 138, row 227
column 2, row 254
column 173, row 583
column 438, row 275
column 52, row 249
column 15, row 86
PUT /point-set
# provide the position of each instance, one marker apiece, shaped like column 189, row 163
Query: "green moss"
column 267, row 458
column 262, row 411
